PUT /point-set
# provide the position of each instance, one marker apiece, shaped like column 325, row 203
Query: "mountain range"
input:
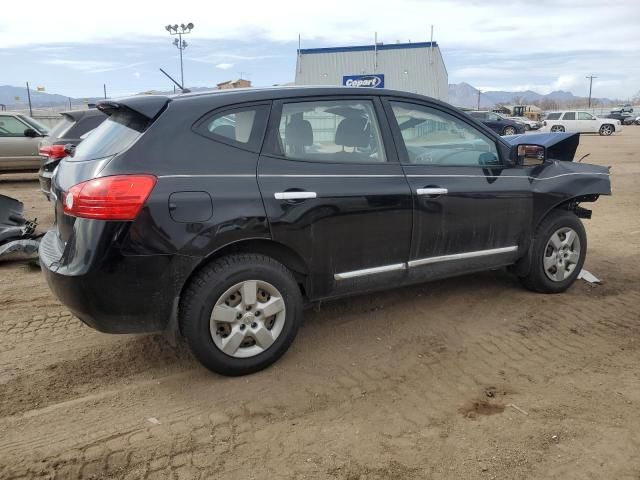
column 465, row 95
column 460, row 95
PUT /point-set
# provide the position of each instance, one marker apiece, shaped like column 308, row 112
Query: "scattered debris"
column 515, row 407
column 153, row 420
column 588, row 276
column 18, row 238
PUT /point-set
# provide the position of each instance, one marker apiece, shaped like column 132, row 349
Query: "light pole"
column 590, row 77
column 180, row 44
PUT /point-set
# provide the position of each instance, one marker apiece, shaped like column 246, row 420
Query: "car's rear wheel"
column 240, row 313
column 509, row 131
column 527, row 127
column 606, row 129
column 558, row 252
column 557, row 129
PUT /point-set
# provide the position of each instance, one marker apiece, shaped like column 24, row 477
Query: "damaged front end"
column 18, row 237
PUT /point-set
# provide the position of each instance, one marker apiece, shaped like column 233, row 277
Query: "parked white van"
column 580, row 122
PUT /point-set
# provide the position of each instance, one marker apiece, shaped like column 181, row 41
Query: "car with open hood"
column 218, row 216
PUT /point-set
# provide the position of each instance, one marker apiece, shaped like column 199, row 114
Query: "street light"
column 180, row 44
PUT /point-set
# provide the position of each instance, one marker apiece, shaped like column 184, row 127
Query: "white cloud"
column 225, row 66
column 136, row 74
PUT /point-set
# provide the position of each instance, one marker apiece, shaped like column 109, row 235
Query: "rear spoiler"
column 560, row 146
column 148, row 106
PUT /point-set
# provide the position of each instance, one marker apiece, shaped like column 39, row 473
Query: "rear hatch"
column 126, row 123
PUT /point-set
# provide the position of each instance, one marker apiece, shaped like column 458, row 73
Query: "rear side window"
column 112, row 136
column 553, row 116
column 241, row 127
column 344, row 131
column 569, row 116
column 477, row 115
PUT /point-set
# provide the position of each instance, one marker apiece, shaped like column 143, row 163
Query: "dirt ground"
column 470, row 378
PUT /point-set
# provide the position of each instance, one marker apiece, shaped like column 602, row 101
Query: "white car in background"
column 528, row 123
column 576, row 121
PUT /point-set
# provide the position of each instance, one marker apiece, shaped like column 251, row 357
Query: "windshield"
column 114, row 135
column 41, row 129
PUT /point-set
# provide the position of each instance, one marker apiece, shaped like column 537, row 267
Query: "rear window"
column 114, row 135
column 61, row 127
column 553, row 116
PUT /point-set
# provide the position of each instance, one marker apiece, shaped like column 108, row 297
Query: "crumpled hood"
column 560, row 146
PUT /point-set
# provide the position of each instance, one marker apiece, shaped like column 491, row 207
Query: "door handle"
column 432, row 191
column 294, row 195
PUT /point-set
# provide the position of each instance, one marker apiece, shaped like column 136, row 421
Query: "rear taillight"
column 119, row 197
column 53, row 151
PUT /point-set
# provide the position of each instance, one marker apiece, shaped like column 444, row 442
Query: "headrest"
column 298, row 133
column 352, row 132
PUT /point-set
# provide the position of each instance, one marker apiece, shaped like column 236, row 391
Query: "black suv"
column 499, row 124
column 219, row 215
column 72, row 128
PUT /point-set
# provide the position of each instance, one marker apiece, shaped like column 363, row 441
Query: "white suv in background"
column 580, row 122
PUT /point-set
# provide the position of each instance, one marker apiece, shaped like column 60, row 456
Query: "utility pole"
column 29, row 97
column 179, row 43
column 104, row 88
column 479, row 99
column 590, row 77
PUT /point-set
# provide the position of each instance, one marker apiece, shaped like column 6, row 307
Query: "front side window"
column 569, row 116
column 478, row 115
column 585, row 116
column 344, row 131
column 432, row 137
column 11, row 127
column 554, row 116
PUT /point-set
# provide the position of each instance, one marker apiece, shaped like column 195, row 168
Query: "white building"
column 411, row 67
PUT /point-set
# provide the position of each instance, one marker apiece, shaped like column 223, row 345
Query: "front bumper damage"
column 18, row 237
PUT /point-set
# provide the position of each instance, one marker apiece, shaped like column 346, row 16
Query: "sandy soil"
column 468, row 378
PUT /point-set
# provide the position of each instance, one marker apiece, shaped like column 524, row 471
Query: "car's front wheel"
column 558, row 252
column 509, row 131
column 606, row 129
column 240, row 313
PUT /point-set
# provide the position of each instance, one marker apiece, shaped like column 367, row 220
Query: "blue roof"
column 369, row 48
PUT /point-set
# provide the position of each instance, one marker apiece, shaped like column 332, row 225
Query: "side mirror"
column 31, row 133
column 528, row 155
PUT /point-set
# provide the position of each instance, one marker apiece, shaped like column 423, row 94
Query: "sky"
column 72, row 47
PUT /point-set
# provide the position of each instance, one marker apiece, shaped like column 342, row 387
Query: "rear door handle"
column 294, row 195
column 432, row 191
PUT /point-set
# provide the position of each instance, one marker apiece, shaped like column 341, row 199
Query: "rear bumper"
column 116, row 293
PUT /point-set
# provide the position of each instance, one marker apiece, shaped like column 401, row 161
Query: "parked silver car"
column 20, row 138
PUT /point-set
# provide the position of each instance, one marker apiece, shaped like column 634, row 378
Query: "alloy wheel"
column 606, row 130
column 509, row 131
column 247, row 319
column 561, row 255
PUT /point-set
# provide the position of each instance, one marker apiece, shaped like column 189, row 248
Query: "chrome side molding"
column 422, row 261
column 461, row 256
column 370, row 271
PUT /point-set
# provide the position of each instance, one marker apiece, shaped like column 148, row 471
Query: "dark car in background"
column 218, row 215
column 496, row 122
column 625, row 118
column 70, row 130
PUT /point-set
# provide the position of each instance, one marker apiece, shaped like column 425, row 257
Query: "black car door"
column 494, row 122
column 471, row 211
column 335, row 194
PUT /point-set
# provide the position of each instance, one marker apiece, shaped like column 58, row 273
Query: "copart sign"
column 375, row 80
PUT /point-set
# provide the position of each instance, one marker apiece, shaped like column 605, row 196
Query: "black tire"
column 210, row 283
column 607, row 129
column 509, row 131
column 527, row 127
column 537, row 280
